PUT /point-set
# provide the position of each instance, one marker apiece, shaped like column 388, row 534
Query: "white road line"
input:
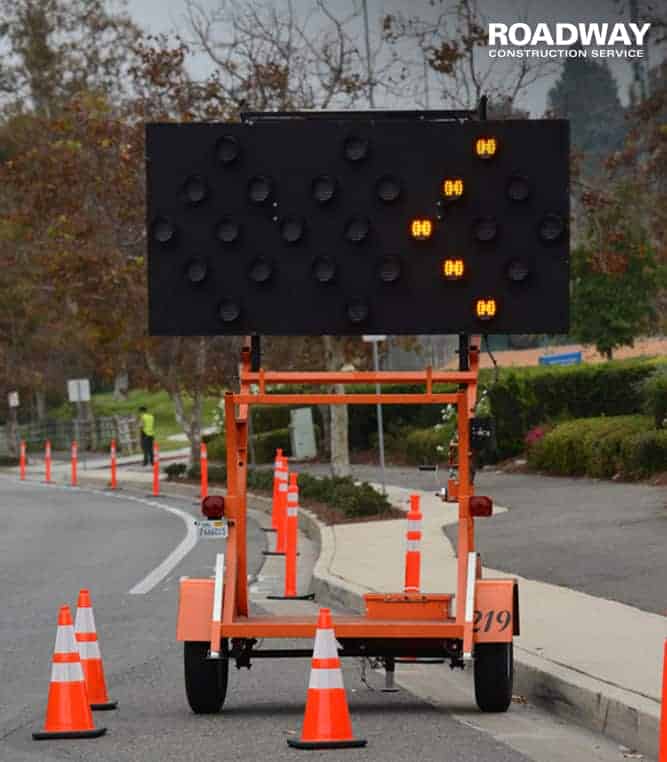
column 173, row 559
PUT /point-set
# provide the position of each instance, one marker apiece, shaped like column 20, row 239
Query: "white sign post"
column 375, row 340
column 13, row 422
column 78, row 391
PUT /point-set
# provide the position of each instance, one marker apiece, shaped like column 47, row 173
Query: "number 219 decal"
column 492, row 621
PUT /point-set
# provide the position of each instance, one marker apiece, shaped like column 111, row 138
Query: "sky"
column 168, row 15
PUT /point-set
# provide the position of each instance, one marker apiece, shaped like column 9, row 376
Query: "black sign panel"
column 335, row 226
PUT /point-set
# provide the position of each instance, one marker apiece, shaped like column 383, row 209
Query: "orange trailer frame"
column 394, row 624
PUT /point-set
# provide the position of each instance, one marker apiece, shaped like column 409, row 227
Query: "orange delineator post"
column 47, row 462
column 113, row 464
column 662, row 742
column 292, row 538
column 281, row 540
column 291, row 532
column 413, row 550
column 203, row 467
column 277, row 476
column 22, row 460
column 156, row 469
column 75, row 458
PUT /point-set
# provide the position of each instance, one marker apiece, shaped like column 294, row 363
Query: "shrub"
column 265, row 445
column 8, row 460
column 645, row 454
column 535, row 435
column 260, row 479
column 175, row 471
column 337, row 492
column 654, row 394
column 217, row 474
column 601, row 448
column 421, row 446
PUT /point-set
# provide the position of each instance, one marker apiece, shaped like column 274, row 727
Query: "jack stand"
column 389, row 674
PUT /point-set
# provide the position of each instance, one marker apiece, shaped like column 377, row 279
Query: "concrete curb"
column 629, row 718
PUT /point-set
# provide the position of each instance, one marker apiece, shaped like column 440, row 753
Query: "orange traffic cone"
column 89, row 651
column 326, row 724
column 68, row 713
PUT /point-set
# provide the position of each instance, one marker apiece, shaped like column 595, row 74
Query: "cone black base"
column 307, row 597
column 95, row 733
column 354, row 743
column 104, row 707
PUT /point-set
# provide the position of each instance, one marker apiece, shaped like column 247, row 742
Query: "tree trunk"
column 12, row 432
column 325, row 436
column 340, row 450
column 40, row 405
column 121, row 384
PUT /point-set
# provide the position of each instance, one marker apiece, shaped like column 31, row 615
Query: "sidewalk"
column 595, row 661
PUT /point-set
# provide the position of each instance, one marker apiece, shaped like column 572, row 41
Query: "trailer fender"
column 195, row 604
column 496, row 618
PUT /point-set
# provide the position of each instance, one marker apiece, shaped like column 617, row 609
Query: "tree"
column 447, row 44
column 615, row 275
column 59, row 48
column 587, row 94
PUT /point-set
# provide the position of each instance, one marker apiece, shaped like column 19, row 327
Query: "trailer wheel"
column 494, row 676
column 205, row 680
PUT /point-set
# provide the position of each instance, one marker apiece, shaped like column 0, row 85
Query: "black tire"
column 205, row 681
column 494, row 676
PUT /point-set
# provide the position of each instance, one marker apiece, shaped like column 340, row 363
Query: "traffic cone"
column 326, row 724
column 68, row 713
column 89, row 651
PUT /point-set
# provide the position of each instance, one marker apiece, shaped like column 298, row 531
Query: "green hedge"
column 524, row 398
column 265, row 446
column 654, row 394
column 420, row 446
column 602, row 447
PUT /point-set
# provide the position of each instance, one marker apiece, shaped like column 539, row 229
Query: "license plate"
column 212, row 530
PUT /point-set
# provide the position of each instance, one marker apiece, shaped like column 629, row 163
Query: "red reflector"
column 481, row 506
column 213, row 506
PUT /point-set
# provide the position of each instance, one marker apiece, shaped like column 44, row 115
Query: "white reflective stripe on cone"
column 292, row 511
column 89, row 650
column 283, row 486
column 325, row 679
column 292, row 499
column 85, row 620
column 67, row 672
column 414, row 526
column 325, row 645
column 282, row 475
column 413, row 545
column 65, row 641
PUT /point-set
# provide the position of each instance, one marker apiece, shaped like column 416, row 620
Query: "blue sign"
column 568, row 358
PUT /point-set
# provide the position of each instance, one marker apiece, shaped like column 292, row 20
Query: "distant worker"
column 147, row 434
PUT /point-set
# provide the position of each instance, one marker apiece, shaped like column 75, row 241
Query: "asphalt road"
column 601, row 537
column 54, row 540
